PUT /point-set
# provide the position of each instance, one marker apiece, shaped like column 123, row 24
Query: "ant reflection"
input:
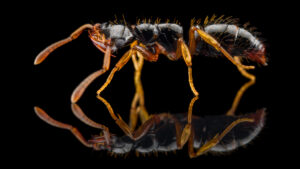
column 168, row 132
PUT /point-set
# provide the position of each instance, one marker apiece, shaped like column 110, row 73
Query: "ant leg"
column 124, row 59
column 77, row 111
column 44, row 54
column 45, row 117
column 188, row 60
column 217, row 138
column 213, row 42
column 192, row 41
column 139, row 88
column 139, row 94
column 242, row 90
column 134, row 135
column 182, row 137
column 134, row 111
column 77, row 93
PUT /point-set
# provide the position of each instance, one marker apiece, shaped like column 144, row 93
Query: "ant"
column 216, row 36
column 165, row 133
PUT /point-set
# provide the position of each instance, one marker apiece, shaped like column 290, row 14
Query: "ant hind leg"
column 242, row 90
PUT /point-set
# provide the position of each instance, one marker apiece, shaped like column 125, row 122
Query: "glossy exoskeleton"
column 165, row 132
column 216, row 36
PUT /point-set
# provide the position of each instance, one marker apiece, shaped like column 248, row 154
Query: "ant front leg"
column 214, row 43
column 45, row 117
column 242, row 90
column 215, row 140
column 44, row 54
column 124, row 59
column 77, row 93
column 77, row 111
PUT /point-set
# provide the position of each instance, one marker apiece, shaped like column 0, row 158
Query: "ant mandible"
column 148, row 41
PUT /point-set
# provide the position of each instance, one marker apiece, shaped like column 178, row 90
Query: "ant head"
column 98, row 38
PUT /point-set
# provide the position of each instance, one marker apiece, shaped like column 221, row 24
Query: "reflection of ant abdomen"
column 162, row 136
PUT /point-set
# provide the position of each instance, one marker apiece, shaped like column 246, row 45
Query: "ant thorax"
column 164, row 35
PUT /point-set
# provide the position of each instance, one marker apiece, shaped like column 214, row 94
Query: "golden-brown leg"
column 77, row 93
column 213, row 42
column 134, row 112
column 124, row 59
column 139, row 95
column 217, row 138
column 242, row 90
column 43, row 55
column 182, row 137
column 192, row 41
column 77, row 111
column 188, row 60
column 135, row 135
column 45, row 117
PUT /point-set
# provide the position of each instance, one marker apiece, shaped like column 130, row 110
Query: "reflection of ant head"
column 103, row 143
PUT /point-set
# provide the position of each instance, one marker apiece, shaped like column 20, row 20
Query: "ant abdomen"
column 236, row 40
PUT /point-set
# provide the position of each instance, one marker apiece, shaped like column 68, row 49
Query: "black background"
column 50, row 84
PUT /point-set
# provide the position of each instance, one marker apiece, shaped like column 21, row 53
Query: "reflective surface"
column 165, row 86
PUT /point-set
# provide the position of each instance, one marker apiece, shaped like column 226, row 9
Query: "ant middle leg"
column 188, row 60
column 242, row 90
column 215, row 140
column 139, row 94
column 183, row 135
column 45, row 117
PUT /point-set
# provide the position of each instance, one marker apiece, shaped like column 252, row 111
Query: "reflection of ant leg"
column 242, row 90
column 134, row 135
column 81, row 116
column 182, row 137
column 139, row 94
column 213, row 42
column 211, row 143
column 44, row 116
